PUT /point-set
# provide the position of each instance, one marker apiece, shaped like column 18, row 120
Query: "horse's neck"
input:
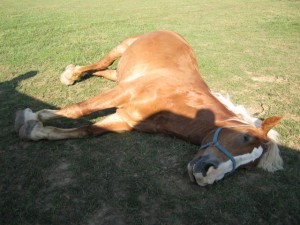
column 210, row 115
column 204, row 114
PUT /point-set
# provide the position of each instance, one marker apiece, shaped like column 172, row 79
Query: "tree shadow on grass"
column 131, row 178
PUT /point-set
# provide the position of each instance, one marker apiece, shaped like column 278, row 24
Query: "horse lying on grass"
column 159, row 89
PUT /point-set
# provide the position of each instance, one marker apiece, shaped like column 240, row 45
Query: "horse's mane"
column 271, row 160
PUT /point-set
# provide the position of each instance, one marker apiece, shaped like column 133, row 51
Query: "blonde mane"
column 271, row 161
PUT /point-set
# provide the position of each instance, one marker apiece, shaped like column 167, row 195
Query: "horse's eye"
column 246, row 138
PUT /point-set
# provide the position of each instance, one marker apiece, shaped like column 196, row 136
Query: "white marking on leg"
column 46, row 114
column 53, row 133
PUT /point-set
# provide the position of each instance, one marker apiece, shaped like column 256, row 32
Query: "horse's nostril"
column 206, row 168
column 201, row 166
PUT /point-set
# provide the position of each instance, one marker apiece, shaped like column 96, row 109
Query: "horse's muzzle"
column 208, row 168
column 199, row 169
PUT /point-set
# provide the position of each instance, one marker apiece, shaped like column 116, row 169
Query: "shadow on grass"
column 131, row 178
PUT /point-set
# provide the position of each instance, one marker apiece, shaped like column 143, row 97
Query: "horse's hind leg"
column 34, row 130
column 108, row 99
column 108, row 74
column 73, row 73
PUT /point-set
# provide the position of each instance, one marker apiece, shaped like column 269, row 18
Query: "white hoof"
column 30, row 130
column 22, row 116
column 66, row 76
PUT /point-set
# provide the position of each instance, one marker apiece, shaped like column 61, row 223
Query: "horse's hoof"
column 22, row 116
column 26, row 131
column 66, row 76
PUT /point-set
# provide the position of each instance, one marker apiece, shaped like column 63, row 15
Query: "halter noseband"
column 216, row 144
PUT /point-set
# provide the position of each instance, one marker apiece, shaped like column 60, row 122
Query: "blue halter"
column 216, row 144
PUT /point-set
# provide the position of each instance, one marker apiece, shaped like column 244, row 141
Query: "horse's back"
column 157, row 51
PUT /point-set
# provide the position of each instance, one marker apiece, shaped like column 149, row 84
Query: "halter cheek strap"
column 216, row 144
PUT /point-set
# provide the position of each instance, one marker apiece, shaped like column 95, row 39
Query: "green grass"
column 248, row 49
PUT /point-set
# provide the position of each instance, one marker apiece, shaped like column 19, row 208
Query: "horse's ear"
column 269, row 123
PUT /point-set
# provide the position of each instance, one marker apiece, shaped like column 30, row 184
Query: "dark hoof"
column 25, row 131
column 66, row 76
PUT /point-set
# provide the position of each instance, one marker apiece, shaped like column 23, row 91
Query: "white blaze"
column 217, row 174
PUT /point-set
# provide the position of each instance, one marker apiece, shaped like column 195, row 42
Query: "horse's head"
column 227, row 148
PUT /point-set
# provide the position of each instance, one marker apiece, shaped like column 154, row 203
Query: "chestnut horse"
column 159, row 89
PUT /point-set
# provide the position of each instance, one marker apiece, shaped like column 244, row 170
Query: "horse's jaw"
column 215, row 174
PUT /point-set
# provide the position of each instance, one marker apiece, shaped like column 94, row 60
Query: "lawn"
column 248, row 49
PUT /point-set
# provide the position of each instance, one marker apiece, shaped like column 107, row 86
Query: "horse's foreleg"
column 73, row 73
column 34, row 130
